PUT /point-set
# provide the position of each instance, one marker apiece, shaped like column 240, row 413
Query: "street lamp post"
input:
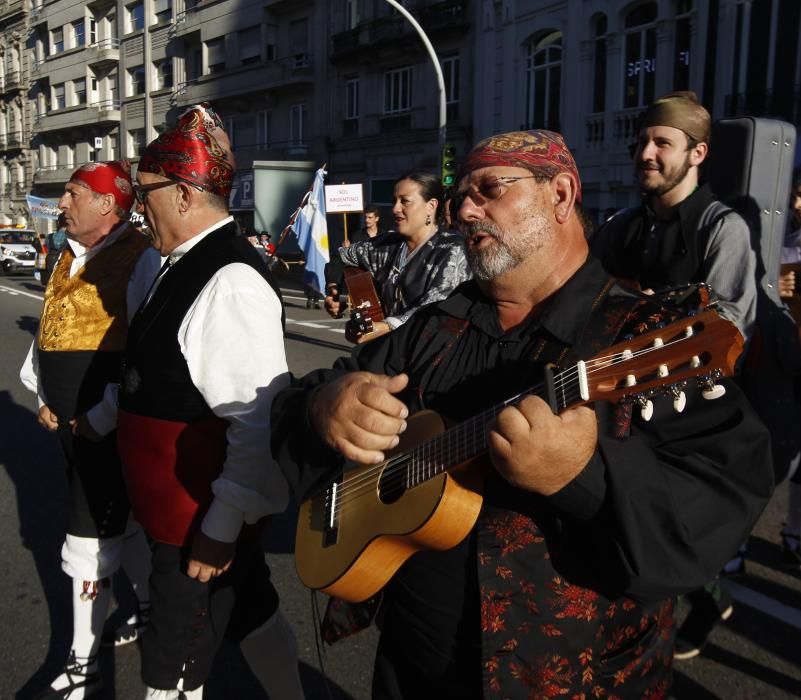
column 437, row 69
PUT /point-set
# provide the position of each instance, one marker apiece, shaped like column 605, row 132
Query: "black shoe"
column 791, row 551
column 308, row 303
column 127, row 632
column 316, row 304
column 706, row 612
column 81, row 683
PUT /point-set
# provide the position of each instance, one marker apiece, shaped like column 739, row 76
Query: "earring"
column 428, row 220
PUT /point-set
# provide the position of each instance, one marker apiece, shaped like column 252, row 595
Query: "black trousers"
column 98, row 498
column 189, row 619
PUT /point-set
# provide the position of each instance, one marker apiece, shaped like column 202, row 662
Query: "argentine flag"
column 311, row 228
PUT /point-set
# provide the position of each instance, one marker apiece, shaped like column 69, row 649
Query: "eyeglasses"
column 489, row 189
column 140, row 191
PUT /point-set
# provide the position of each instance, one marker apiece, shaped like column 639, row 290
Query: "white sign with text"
column 343, row 198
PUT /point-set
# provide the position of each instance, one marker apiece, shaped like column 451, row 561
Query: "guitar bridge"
column 331, row 527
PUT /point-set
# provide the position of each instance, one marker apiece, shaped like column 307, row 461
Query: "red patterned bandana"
column 196, row 151
column 540, row 151
column 112, row 177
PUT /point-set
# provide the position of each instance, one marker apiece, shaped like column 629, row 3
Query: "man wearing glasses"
column 593, row 519
column 101, row 277
column 205, row 356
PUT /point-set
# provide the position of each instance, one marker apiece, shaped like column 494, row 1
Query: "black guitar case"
column 750, row 169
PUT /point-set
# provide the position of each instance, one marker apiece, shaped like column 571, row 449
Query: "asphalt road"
column 755, row 654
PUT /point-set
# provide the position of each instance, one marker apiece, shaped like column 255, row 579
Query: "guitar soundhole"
column 391, row 485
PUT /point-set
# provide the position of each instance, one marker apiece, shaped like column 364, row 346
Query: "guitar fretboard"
column 465, row 440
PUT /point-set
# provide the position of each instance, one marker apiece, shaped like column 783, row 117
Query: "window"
column 79, row 33
column 543, row 82
column 263, row 119
column 244, row 131
column 351, row 14
column 92, row 30
column 57, row 40
column 299, row 36
column 136, row 81
column 163, row 74
column 215, row 55
column 297, row 125
column 249, row 45
column 79, row 87
column 350, row 126
column 163, row 10
column 640, row 67
column 398, row 90
column 450, row 73
column 136, row 142
column 352, row 99
column 59, row 101
column 599, row 65
column 136, row 16
column 681, row 53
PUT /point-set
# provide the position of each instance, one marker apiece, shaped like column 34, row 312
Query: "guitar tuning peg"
column 712, row 391
column 646, row 409
column 679, row 400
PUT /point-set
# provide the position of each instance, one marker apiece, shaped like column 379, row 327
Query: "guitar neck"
column 468, row 440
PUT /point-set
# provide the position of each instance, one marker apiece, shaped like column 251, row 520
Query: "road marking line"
column 14, row 292
column 312, row 324
column 769, row 606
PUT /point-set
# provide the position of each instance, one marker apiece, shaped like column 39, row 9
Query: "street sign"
column 343, row 198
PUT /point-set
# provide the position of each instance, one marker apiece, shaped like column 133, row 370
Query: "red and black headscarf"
column 540, row 151
column 111, row 177
column 196, row 151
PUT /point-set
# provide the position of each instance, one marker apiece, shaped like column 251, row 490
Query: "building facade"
column 348, row 82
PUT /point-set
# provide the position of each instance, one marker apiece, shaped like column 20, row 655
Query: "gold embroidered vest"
column 89, row 310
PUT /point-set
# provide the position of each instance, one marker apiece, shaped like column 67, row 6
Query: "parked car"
column 17, row 253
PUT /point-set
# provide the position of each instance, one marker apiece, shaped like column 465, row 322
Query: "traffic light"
column 448, row 165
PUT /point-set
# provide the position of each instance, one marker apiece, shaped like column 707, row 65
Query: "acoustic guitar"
column 427, row 494
column 365, row 305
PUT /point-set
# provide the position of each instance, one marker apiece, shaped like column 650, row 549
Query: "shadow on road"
column 320, row 343
column 29, row 324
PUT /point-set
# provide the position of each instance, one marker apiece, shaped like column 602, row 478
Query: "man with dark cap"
column 592, row 520
column 100, row 279
column 681, row 234
column 205, row 356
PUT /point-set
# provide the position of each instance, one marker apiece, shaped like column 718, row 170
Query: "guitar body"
column 362, row 292
column 374, row 536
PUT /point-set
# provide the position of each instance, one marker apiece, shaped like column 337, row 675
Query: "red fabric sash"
column 169, row 467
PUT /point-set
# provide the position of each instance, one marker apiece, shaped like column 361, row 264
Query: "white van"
column 17, row 253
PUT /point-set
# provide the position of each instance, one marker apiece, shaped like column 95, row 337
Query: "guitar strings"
column 396, row 468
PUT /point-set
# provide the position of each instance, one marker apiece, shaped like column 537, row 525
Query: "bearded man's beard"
column 493, row 260
column 671, row 179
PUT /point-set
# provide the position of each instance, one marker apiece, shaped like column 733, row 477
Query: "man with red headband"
column 205, row 356
column 96, row 286
column 592, row 520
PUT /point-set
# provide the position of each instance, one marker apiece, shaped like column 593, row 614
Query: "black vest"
column 681, row 244
column 156, row 380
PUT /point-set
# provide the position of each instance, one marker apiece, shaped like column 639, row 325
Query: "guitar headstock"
column 361, row 322
column 704, row 347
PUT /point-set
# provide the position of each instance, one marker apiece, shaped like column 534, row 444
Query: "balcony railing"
column 10, row 7
column 625, row 127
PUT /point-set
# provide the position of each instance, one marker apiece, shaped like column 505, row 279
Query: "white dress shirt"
column 233, row 344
